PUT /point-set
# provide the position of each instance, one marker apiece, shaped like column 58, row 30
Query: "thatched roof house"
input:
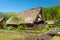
column 29, row 16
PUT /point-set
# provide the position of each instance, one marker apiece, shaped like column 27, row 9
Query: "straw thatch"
column 51, row 21
column 29, row 16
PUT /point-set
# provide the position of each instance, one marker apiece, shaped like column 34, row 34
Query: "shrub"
column 10, row 28
column 4, row 26
column 20, row 27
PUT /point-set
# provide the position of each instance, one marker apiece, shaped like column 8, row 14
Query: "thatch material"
column 29, row 16
column 16, row 20
column 50, row 21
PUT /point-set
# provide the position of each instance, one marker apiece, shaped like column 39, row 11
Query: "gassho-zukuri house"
column 33, row 19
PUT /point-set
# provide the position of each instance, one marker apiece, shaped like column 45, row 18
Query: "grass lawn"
column 9, row 36
column 57, row 37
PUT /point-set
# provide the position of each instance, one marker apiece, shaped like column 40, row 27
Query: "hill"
column 52, row 13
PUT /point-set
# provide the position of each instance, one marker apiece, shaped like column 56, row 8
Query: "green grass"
column 29, row 31
column 35, row 31
column 9, row 36
column 45, row 29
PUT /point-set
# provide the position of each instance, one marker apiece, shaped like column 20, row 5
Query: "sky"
column 22, row 5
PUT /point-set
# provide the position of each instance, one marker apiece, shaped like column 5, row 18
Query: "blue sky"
column 22, row 5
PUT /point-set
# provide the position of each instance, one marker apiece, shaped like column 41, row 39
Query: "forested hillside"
column 52, row 13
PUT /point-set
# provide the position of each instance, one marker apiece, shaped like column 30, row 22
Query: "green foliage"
column 5, row 26
column 20, row 27
column 10, row 28
column 2, row 14
column 9, row 14
column 52, row 13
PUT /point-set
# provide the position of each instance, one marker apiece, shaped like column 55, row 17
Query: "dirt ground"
column 24, row 36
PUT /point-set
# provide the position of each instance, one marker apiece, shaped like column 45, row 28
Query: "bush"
column 4, row 26
column 20, row 27
column 10, row 28
column 45, row 29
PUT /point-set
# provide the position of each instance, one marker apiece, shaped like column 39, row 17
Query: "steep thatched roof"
column 29, row 16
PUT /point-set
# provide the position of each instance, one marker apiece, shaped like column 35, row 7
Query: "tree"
column 58, row 13
column 47, row 14
column 52, row 13
column 1, row 14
